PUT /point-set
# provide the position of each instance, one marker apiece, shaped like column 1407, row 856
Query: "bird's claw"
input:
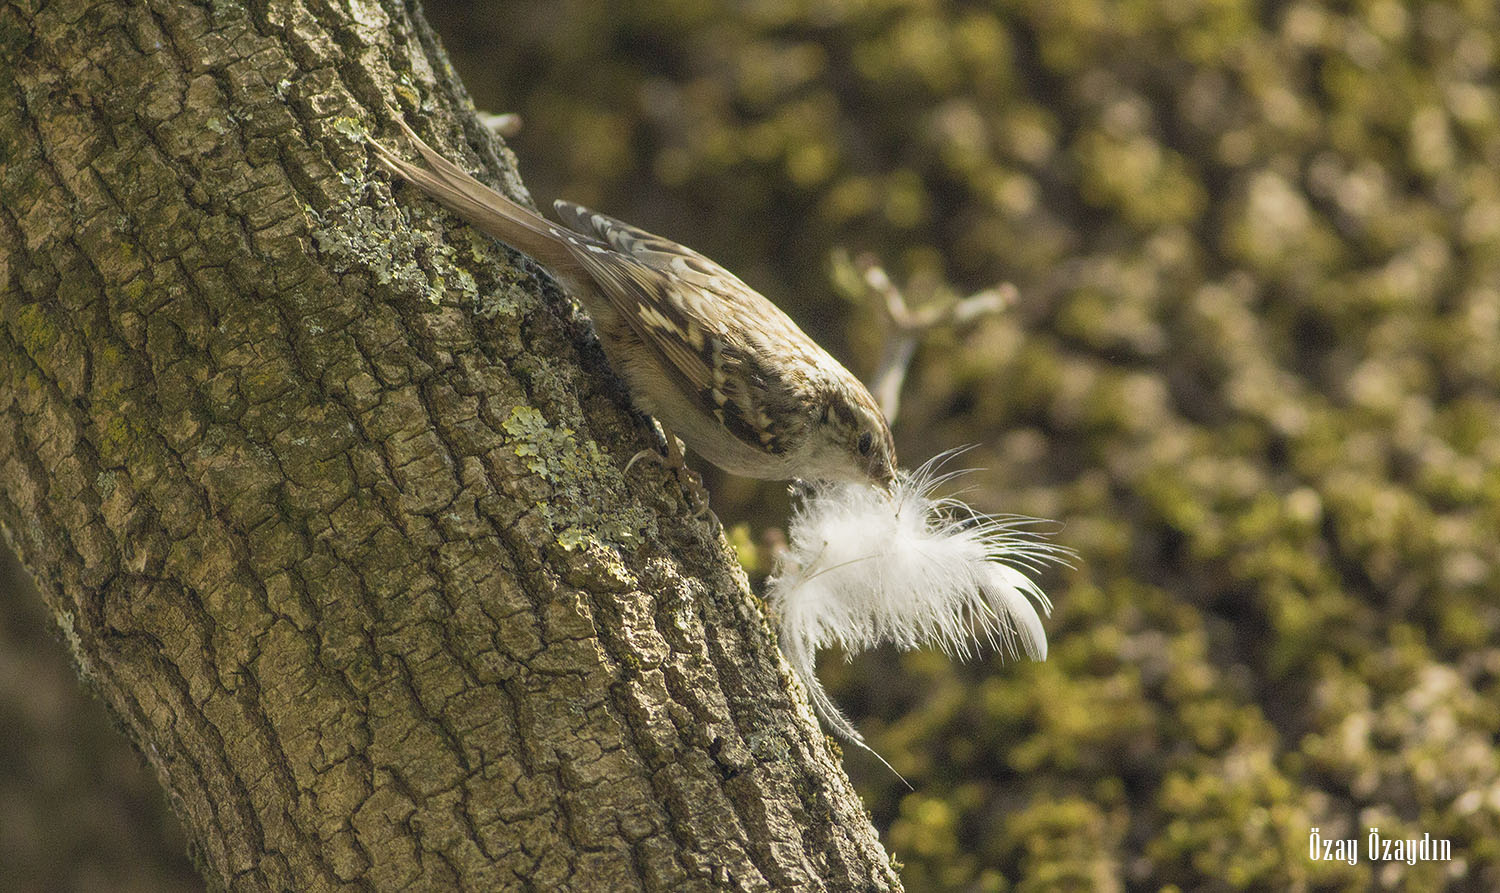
column 674, row 462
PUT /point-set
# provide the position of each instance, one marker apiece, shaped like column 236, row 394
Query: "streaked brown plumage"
column 713, row 360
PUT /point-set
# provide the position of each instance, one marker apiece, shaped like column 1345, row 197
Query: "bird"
column 713, row 360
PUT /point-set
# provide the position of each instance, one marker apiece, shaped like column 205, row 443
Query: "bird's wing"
column 675, row 299
column 656, row 252
column 683, row 298
column 715, row 363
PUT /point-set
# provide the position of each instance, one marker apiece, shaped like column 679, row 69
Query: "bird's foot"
column 675, row 462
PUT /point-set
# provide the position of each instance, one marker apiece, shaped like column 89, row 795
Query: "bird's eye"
column 866, row 440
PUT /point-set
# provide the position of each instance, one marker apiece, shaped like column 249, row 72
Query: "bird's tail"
column 494, row 214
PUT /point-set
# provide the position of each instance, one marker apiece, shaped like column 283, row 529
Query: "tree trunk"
column 326, row 492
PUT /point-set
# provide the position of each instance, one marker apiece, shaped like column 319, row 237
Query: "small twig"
column 907, row 326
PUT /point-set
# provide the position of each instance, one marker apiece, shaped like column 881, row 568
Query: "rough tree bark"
column 325, row 491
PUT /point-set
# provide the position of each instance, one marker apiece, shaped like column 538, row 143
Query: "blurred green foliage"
column 1255, row 370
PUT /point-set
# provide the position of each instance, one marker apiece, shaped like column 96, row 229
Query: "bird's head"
column 850, row 440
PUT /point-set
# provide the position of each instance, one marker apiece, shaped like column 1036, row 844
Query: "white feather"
column 865, row 567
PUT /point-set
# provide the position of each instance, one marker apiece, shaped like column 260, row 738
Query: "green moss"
column 37, row 333
column 116, row 439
